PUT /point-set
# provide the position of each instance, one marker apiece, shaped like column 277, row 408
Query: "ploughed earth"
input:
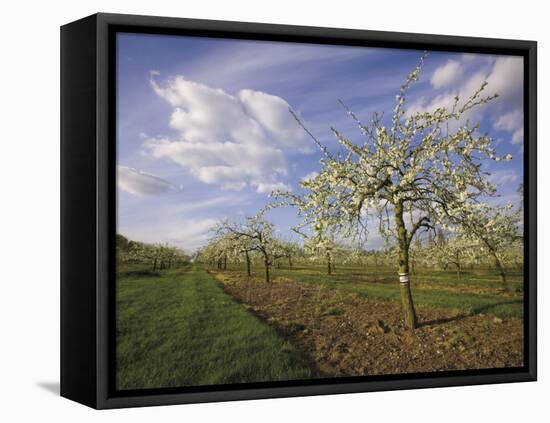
column 345, row 334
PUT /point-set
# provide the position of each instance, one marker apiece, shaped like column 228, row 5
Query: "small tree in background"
column 454, row 251
column 496, row 228
column 322, row 250
column 241, row 246
column 259, row 235
column 291, row 251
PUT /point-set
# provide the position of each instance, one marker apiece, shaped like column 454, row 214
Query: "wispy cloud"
column 185, row 222
column 503, row 177
column 239, row 64
column 140, row 183
column 203, row 207
column 188, row 234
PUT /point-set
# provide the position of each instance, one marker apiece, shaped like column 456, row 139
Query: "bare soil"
column 345, row 334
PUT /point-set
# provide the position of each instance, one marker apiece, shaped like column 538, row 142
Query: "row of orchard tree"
column 254, row 242
column 157, row 256
column 410, row 173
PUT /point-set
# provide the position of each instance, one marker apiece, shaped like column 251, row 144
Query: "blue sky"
column 204, row 132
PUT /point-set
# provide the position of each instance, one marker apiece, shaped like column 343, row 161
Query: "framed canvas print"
column 254, row 211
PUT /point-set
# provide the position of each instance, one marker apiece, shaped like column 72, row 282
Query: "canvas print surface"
column 292, row 211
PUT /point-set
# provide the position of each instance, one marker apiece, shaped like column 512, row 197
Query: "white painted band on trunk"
column 403, row 278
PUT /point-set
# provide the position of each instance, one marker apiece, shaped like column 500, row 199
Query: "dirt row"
column 348, row 335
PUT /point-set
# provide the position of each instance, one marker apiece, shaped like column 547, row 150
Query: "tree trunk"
column 154, row 264
column 247, row 263
column 500, row 269
column 289, row 262
column 266, row 264
column 404, row 284
column 329, row 268
column 225, row 262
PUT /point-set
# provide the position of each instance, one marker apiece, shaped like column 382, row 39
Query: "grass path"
column 180, row 329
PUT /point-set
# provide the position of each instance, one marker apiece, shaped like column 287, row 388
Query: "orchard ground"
column 196, row 326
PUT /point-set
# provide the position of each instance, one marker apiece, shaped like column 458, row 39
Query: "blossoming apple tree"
column 255, row 234
column 495, row 228
column 410, row 172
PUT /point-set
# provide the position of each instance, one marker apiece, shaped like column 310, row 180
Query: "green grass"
column 180, row 329
column 382, row 285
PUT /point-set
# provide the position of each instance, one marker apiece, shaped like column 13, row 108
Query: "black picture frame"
column 88, row 200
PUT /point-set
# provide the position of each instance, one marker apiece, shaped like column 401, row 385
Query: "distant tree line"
column 254, row 242
column 157, row 256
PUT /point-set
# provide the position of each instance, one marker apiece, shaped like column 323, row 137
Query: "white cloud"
column 517, row 137
column 446, row 99
column 512, row 122
column 232, row 141
column 423, row 104
column 139, row 183
column 506, row 79
column 504, row 76
column 446, row 74
column 273, row 114
column 309, row 176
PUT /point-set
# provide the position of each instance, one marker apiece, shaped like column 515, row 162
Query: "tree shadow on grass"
column 475, row 310
column 488, row 307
